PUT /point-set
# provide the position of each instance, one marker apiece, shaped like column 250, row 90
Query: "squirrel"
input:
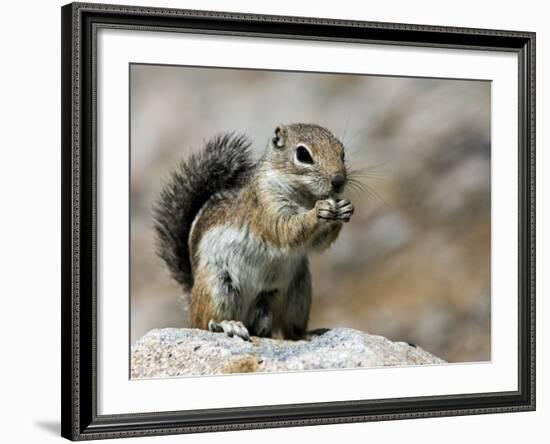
column 237, row 233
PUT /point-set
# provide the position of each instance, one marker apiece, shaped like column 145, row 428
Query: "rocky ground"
column 173, row 352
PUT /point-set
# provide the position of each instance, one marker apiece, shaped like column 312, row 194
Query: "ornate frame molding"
column 80, row 22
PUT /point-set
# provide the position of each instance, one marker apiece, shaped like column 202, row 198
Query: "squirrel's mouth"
column 310, row 192
column 330, row 194
column 336, row 194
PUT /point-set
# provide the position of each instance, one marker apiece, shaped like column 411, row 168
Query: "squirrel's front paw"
column 344, row 210
column 230, row 328
column 339, row 211
column 326, row 209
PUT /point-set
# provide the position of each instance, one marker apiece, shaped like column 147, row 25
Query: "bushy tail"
column 224, row 164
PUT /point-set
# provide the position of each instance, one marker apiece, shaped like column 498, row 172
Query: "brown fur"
column 202, row 307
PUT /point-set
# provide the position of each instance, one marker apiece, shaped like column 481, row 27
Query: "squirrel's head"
column 311, row 158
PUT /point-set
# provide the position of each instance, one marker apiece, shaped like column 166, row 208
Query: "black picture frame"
column 78, row 333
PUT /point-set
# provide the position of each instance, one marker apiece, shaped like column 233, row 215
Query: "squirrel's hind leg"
column 217, row 308
column 294, row 316
column 260, row 315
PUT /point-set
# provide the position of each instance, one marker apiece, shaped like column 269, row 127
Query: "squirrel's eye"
column 303, row 155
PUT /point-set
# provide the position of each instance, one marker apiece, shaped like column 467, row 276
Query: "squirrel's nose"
column 338, row 182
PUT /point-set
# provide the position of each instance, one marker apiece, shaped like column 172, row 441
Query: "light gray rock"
column 173, row 352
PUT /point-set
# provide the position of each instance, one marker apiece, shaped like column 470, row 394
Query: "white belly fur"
column 253, row 265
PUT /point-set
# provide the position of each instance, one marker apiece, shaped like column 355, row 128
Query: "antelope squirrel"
column 237, row 234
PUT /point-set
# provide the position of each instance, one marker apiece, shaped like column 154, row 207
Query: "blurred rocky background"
column 412, row 265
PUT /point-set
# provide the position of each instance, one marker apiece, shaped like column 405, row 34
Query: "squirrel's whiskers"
column 358, row 186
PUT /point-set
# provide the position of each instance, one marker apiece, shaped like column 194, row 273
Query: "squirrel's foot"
column 317, row 332
column 230, row 328
column 344, row 210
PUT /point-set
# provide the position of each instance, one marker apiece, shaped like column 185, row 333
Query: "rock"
column 172, row 352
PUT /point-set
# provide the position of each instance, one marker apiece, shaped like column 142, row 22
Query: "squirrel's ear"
column 279, row 139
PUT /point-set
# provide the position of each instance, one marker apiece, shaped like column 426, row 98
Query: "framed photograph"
column 275, row 221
